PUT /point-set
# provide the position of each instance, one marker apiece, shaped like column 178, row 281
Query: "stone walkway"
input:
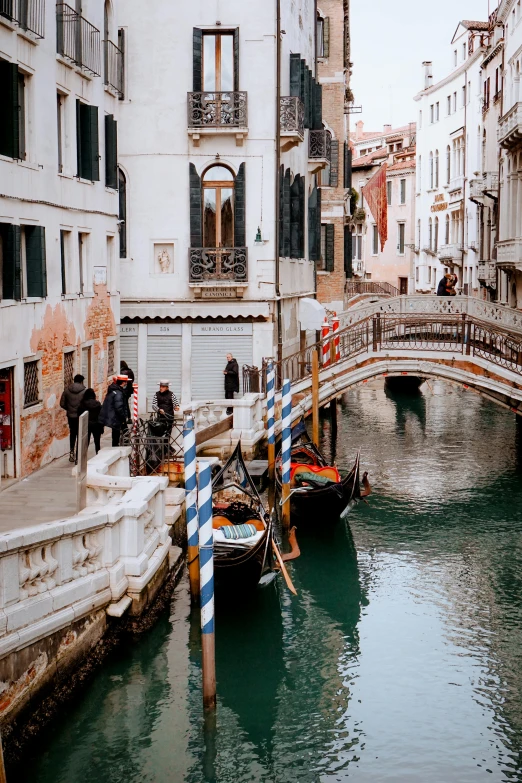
column 46, row 495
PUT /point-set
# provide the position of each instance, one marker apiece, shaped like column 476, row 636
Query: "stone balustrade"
column 247, row 419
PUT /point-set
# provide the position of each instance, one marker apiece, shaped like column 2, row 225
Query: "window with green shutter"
column 196, row 208
column 294, row 217
column 35, row 264
column 11, row 261
column 122, row 212
column 12, row 120
column 111, row 152
column 334, row 164
column 87, row 142
column 240, row 208
column 314, row 225
column 329, row 260
column 348, row 252
column 347, row 166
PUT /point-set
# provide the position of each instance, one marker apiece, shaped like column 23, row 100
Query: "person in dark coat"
column 90, row 404
column 165, row 404
column 231, row 373
column 115, row 408
column 126, row 370
column 442, row 287
column 70, row 401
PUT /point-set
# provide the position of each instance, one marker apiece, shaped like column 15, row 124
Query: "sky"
column 390, row 40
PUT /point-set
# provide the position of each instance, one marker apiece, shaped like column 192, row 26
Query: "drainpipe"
column 277, row 186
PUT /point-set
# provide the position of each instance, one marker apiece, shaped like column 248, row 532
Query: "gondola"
column 239, row 563
column 318, row 490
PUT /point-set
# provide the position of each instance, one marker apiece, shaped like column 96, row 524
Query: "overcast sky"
column 390, row 40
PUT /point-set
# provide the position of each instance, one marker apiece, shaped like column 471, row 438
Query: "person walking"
column 115, row 408
column 165, row 403
column 70, row 402
column 126, row 370
column 90, row 404
column 231, row 373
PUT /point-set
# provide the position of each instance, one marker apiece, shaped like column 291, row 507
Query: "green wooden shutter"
column 304, row 92
column 347, row 166
column 348, row 267
column 196, row 208
column 318, row 106
column 236, row 59
column 94, row 143
column 197, row 59
column 295, row 75
column 311, row 98
column 301, row 217
column 326, row 36
column 35, row 261
column 286, row 215
column 294, row 217
column 63, row 262
column 111, row 152
column 12, row 266
column 240, row 208
column 334, row 164
column 313, row 240
column 122, row 212
column 330, row 247
column 78, row 138
column 281, row 203
column 10, row 120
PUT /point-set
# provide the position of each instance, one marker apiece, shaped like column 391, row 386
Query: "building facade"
column 59, row 290
column 222, row 196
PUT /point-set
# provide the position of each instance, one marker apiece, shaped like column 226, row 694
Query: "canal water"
column 400, row 659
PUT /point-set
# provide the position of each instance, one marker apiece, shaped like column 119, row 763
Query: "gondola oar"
column 283, row 568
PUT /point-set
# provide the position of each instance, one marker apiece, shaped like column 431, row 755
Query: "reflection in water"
column 399, row 660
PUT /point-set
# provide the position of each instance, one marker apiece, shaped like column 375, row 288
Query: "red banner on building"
column 375, row 194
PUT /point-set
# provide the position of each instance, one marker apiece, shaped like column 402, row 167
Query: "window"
column 23, row 261
column 86, row 365
column 59, row 124
column 447, row 232
column 400, row 243
column 437, row 111
column 419, row 235
column 454, row 101
column 68, row 368
column 12, row 101
column 420, row 120
column 416, row 274
column 436, row 235
column 431, row 171
column 455, row 58
column 448, row 164
column 323, row 37
column 31, row 384
column 419, row 169
column 218, row 67
column 497, row 82
column 375, row 241
column 87, row 142
column 218, row 207
column 389, row 192
column 110, row 356
column 430, row 234
column 65, row 246
column 429, row 275
column 403, row 191
column 111, row 153
column 110, row 262
column 464, row 49
column 449, row 104
column 82, row 241
column 327, row 262
column 357, row 243
column 122, row 212
column 432, row 114
column 436, row 168
column 464, row 95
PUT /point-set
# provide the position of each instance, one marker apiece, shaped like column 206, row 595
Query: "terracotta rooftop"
column 368, row 160
column 402, row 164
column 470, row 25
column 381, row 134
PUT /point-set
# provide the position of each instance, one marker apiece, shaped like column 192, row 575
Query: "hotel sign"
column 440, row 204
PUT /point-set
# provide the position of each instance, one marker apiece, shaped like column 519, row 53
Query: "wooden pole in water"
column 286, row 452
column 270, row 406
column 206, row 571
column 191, row 511
column 315, row 397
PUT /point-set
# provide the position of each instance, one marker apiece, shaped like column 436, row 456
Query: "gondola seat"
column 327, row 472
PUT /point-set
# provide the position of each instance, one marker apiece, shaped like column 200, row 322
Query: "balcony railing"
column 510, row 127
column 77, row 40
column 113, row 67
column 490, row 182
column 27, row 14
column 476, row 189
column 217, row 109
column 487, row 271
column 320, row 146
column 452, row 253
column 509, row 253
column 292, row 116
column 207, row 264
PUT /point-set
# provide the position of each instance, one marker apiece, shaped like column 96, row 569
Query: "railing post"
column 468, row 337
column 463, row 337
column 374, row 334
column 315, row 396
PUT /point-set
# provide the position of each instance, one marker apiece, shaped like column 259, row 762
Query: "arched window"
column 447, row 234
column 122, row 193
column 436, row 236
column 436, row 168
column 218, row 207
column 431, row 170
column 430, row 234
column 448, row 164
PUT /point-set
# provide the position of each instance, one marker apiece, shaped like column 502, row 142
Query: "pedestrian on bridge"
column 114, row 411
column 165, row 403
column 231, row 373
column 70, row 402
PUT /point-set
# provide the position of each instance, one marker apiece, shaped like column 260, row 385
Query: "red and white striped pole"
column 135, row 408
column 326, row 342
column 336, row 339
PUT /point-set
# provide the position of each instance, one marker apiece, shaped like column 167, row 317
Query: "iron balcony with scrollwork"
column 211, row 113
column 319, row 149
column 218, row 268
column 291, row 118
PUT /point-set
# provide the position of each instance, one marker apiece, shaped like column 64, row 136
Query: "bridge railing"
column 457, row 333
column 357, row 287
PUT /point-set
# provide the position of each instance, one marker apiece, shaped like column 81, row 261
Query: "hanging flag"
column 375, row 194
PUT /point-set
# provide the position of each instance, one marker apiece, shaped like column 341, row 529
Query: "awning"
column 311, row 314
column 145, row 311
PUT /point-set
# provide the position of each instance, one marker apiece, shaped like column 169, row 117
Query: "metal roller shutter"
column 129, row 351
column 163, row 361
column 209, row 354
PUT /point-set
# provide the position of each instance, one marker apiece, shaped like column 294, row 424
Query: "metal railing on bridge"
column 356, row 287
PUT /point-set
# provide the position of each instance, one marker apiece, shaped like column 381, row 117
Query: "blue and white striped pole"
column 206, row 575
column 270, row 408
column 286, row 451
column 191, row 509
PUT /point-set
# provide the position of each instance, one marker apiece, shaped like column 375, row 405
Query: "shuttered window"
column 129, row 350
column 326, row 37
column 12, row 121
column 329, row 259
column 347, row 166
column 11, row 261
column 314, row 225
column 111, row 152
column 294, row 217
column 163, row 361
column 317, row 109
column 35, row 263
column 286, row 214
column 240, row 208
column 196, row 221
column 304, row 86
column 334, row 164
column 87, row 142
column 122, row 212
column 348, row 266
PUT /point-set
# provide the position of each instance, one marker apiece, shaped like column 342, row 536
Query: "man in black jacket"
column 231, row 373
column 70, row 402
column 115, row 408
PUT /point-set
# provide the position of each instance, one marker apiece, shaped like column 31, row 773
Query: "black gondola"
column 325, row 494
column 239, row 564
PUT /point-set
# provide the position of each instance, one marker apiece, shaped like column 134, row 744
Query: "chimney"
column 387, row 129
column 359, row 130
column 428, row 74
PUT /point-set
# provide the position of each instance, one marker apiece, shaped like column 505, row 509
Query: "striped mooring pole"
column 270, row 406
column 191, row 510
column 326, row 342
column 206, row 576
column 135, row 407
column 286, row 451
column 336, row 340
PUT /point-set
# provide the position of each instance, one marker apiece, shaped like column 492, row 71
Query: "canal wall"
column 66, row 585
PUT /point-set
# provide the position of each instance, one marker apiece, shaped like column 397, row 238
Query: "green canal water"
column 400, row 660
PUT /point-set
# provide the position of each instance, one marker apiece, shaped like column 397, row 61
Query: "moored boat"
column 242, row 528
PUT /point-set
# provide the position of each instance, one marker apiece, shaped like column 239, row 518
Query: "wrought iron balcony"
column 509, row 131
column 319, row 150
column 113, row 67
column 291, row 117
column 77, row 40
column 211, row 113
column 29, row 15
column 218, row 264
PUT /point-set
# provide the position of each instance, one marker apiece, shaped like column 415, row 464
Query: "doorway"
column 403, row 285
